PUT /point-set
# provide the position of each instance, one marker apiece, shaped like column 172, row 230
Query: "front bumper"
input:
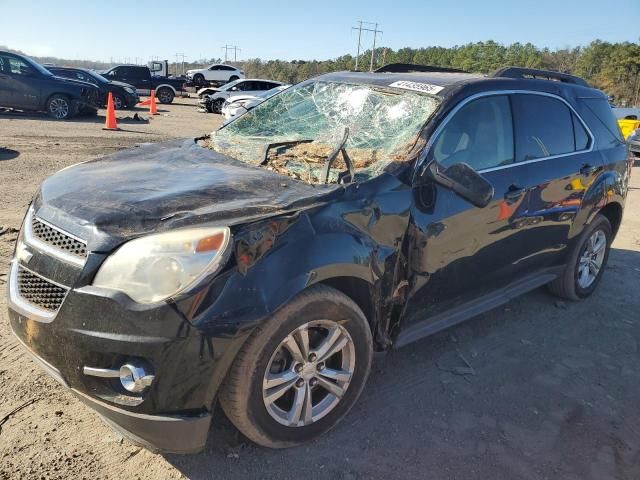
column 159, row 433
column 101, row 329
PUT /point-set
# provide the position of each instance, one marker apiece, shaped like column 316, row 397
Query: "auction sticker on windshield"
column 417, row 86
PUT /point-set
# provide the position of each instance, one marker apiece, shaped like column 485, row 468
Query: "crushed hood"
column 168, row 185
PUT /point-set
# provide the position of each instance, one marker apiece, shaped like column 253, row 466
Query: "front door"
column 21, row 83
column 458, row 251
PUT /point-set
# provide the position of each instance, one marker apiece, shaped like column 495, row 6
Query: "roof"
column 439, row 79
column 444, row 83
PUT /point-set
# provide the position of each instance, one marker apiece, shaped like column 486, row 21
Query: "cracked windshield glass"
column 295, row 132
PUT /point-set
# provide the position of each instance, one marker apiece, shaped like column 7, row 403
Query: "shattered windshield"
column 296, row 131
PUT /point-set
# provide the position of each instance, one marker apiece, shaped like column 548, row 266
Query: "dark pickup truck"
column 145, row 78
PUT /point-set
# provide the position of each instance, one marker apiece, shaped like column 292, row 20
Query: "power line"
column 375, row 32
column 180, row 55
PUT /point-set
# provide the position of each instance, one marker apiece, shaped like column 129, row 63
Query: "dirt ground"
column 555, row 389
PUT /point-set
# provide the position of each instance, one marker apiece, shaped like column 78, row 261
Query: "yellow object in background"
column 628, row 126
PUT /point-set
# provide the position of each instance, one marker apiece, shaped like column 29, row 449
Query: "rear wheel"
column 586, row 263
column 301, row 371
column 61, row 107
column 233, row 78
column 165, row 95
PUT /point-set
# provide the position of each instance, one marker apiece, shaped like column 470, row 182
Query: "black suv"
column 124, row 95
column 352, row 213
column 27, row 85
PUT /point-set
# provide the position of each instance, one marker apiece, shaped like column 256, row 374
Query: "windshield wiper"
column 344, row 177
column 288, row 143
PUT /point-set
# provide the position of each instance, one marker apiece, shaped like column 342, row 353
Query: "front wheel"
column 61, row 107
column 301, row 371
column 198, row 80
column 118, row 102
column 216, row 105
column 587, row 262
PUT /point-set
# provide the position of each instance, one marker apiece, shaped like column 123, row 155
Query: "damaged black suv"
column 351, row 213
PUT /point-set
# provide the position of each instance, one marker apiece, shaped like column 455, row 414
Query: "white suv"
column 215, row 73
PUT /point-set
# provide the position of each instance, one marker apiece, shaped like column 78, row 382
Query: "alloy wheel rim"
column 308, row 373
column 591, row 259
column 117, row 103
column 59, row 108
column 164, row 96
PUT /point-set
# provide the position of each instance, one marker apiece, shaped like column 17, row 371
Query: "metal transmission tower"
column 235, row 49
column 375, row 32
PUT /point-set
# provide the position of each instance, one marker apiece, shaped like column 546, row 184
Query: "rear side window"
column 544, row 127
column 580, row 134
column 599, row 116
column 480, row 134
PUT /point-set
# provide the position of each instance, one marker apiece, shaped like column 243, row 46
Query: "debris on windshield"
column 383, row 123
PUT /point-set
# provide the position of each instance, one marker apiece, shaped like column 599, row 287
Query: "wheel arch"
column 166, row 85
column 613, row 212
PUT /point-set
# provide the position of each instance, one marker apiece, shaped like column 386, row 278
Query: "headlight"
column 130, row 90
column 153, row 268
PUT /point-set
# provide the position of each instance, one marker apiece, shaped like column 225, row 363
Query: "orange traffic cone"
column 110, row 122
column 145, row 103
column 153, row 109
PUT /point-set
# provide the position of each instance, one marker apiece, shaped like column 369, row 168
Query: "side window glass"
column 18, row 67
column 580, row 134
column 215, row 67
column 602, row 123
column 544, row 127
column 480, row 134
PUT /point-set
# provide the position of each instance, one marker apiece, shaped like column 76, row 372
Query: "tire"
column 198, row 79
column 574, row 284
column 61, row 107
column 165, row 95
column 233, row 78
column 118, row 102
column 325, row 314
column 216, row 105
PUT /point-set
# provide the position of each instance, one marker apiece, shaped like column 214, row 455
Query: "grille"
column 58, row 239
column 38, row 291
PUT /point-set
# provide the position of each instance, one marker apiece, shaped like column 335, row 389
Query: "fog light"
column 134, row 378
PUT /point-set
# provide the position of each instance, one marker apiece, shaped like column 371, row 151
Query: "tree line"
column 612, row 67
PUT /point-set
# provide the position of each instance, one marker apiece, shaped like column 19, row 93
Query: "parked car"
column 27, row 85
column 351, row 213
column 628, row 120
column 124, row 95
column 633, row 141
column 213, row 100
column 218, row 73
column 147, row 78
column 239, row 104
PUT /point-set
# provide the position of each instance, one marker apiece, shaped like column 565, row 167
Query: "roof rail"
column 519, row 72
column 410, row 67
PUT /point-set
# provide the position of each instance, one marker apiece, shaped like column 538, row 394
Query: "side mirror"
column 464, row 181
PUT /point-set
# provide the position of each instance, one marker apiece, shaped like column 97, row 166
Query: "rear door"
column 556, row 147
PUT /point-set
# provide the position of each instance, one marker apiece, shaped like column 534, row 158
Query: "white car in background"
column 215, row 73
column 211, row 99
column 240, row 104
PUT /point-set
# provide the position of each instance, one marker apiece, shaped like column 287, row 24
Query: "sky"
column 116, row 30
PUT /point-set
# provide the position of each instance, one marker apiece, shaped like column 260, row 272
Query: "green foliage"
column 613, row 67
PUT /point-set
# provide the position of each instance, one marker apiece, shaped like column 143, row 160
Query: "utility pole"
column 180, row 55
column 360, row 29
column 373, row 50
column 235, row 49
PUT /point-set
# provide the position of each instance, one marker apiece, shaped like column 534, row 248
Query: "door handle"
column 588, row 170
column 514, row 193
